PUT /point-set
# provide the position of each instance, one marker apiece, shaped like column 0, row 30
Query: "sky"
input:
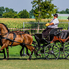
column 19, row 5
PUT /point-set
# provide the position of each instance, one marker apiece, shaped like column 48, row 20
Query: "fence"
column 32, row 27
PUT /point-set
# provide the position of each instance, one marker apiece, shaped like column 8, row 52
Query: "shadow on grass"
column 31, row 59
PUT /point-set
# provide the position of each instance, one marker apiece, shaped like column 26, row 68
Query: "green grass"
column 18, row 22
column 34, row 64
column 13, row 51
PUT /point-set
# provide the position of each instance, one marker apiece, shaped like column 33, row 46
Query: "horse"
column 13, row 39
column 17, row 32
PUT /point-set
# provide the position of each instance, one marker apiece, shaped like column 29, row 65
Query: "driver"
column 53, row 24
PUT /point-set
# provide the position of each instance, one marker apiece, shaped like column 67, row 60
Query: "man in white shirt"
column 53, row 24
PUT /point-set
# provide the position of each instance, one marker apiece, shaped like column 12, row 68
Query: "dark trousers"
column 45, row 32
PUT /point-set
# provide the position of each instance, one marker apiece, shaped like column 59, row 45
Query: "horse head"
column 3, row 28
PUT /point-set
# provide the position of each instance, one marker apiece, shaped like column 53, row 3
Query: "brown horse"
column 9, row 38
column 17, row 32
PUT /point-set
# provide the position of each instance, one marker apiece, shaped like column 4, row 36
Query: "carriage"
column 57, row 46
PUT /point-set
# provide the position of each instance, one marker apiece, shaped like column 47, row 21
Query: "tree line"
column 10, row 13
column 41, row 9
column 66, row 11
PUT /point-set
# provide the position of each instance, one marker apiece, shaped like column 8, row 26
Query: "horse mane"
column 5, row 26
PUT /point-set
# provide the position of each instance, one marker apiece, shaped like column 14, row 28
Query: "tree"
column 10, row 15
column 1, row 11
column 43, row 9
column 23, row 14
column 9, row 10
column 62, row 12
column 31, row 13
column 37, row 9
column 67, row 11
column 47, row 9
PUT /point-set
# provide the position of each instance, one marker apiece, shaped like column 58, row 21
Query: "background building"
column 63, row 16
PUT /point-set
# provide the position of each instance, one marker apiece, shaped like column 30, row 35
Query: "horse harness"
column 14, row 36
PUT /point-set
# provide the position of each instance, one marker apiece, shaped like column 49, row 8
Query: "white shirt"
column 56, row 22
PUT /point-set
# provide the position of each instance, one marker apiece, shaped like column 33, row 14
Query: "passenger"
column 53, row 24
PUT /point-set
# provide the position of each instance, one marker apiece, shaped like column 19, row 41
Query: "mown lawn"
column 23, row 63
column 17, row 62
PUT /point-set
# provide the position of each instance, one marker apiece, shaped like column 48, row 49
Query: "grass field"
column 18, row 22
column 22, row 63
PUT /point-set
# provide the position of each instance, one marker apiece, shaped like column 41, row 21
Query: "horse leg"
column 3, row 49
column 4, row 54
column 36, row 53
column 5, row 45
column 27, row 51
column 21, row 51
column 7, row 52
column 30, row 55
column 31, row 48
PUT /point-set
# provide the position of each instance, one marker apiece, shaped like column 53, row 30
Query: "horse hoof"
column 39, row 54
column 7, row 58
column 21, row 55
column 4, row 59
column 28, row 59
column 29, row 54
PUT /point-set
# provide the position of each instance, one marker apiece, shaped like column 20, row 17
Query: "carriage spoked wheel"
column 39, row 50
column 35, row 45
column 61, row 47
column 66, row 50
column 52, row 51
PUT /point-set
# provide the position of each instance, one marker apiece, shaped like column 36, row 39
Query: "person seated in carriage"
column 53, row 24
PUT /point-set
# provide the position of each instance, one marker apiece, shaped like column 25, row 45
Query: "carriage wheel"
column 66, row 50
column 52, row 51
column 39, row 50
column 61, row 47
column 35, row 45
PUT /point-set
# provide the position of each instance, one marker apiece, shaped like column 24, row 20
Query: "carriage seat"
column 64, row 34
column 40, row 39
column 55, row 32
